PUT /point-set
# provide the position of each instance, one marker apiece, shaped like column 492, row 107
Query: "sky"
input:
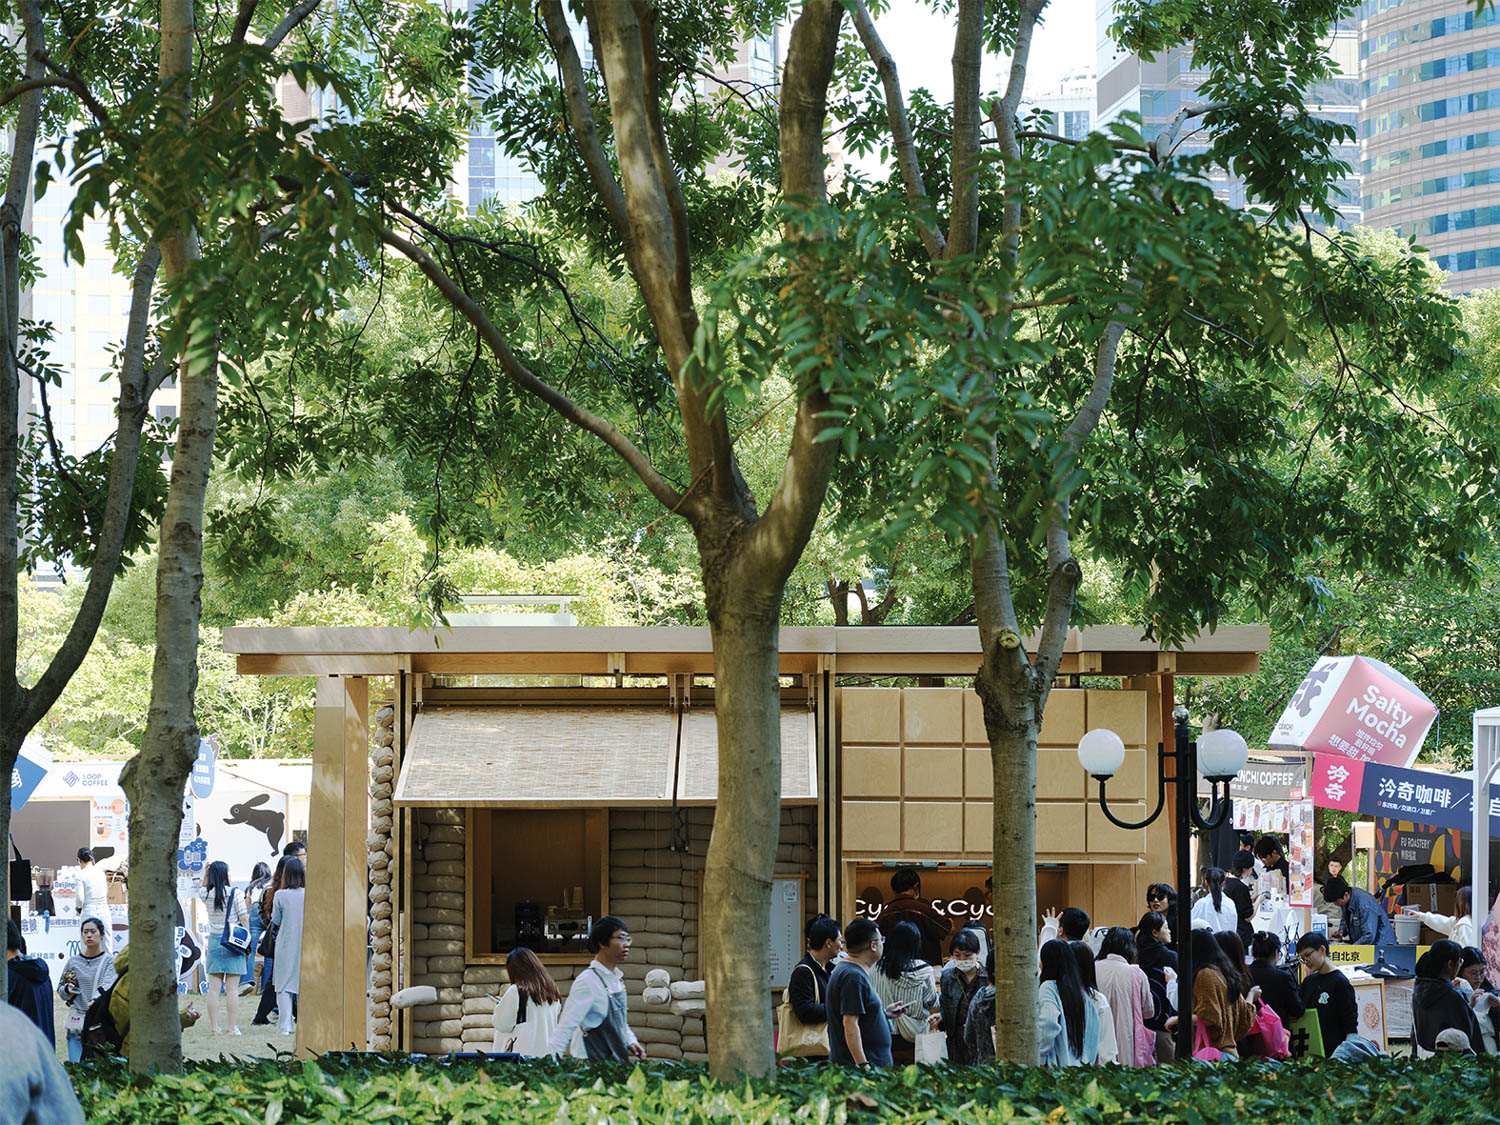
column 922, row 44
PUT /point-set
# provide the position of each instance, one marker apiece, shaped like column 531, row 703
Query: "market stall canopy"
column 549, row 756
column 1358, row 708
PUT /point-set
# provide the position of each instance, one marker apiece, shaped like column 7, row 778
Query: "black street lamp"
column 1220, row 754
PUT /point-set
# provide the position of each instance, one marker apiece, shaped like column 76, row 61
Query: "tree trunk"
column 1012, row 719
column 747, row 821
column 23, row 135
column 154, row 779
column 5, row 775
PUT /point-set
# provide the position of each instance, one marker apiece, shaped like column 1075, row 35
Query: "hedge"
column 394, row 1088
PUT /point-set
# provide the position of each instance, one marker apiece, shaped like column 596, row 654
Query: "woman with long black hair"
column 286, row 918
column 1216, row 909
column 1067, row 1024
column 224, row 966
column 1156, row 957
column 263, row 907
column 1218, row 1001
column 1436, row 1002
column 902, row 977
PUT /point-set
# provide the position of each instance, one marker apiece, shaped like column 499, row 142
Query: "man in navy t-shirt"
column 859, row 1033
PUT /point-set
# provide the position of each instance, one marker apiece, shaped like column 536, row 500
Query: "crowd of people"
column 261, row 926
column 1110, row 995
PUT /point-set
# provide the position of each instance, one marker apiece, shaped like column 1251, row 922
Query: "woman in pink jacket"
column 1124, row 984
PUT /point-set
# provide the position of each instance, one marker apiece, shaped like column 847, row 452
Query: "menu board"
column 1300, row 859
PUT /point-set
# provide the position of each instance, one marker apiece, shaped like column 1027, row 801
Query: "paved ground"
column 198, row 1042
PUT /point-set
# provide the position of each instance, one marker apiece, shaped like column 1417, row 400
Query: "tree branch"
column 779, row 536
column 622, row 55
column 18, row 182
column 902, row 139
column 523, row 377
column 119, row 507
column 289, row 23
column 581, row 119
column 968, row 52
column 1063, row 570
column 242, row 20
column 666, row 168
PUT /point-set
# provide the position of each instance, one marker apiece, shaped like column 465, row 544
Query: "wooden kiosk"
column 575, row 772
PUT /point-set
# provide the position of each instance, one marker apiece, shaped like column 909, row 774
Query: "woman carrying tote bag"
column 527, row 1013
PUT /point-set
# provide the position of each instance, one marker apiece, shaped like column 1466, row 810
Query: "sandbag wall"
column 381, row 858
column 652, row 887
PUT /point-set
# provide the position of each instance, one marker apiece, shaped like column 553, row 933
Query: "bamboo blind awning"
column 517, row 756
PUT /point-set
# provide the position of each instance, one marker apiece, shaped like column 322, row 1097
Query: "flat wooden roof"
column 953, row 650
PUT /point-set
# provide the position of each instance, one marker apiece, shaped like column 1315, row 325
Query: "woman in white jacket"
column 1460, row 927
column 527, row 1012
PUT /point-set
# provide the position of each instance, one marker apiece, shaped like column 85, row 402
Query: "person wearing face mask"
column 85, row 976
column 962, row 979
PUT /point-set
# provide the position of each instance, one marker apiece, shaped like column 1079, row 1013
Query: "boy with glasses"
column 1327, row 991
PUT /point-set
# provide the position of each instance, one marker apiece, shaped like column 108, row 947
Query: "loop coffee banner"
column 1357, row 708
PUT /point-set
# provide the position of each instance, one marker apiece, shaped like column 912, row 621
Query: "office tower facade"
column 1430, row 131
column 1158, row 89
column 87, row 306
column 1070, row 103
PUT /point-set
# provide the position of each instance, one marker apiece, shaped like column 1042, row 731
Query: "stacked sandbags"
column 381, row 857
column 437, row 949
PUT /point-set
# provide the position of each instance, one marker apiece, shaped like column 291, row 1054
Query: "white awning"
column 547, row 756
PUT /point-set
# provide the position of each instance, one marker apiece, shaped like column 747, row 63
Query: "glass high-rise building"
column 1429, row 131
column 1159, row 88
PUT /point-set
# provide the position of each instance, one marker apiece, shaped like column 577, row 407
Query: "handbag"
column 795, row 1039
column 20, row 876
column 1267, row 1037
column 1203, row 1047
column 267, row 946
column 235, row 938
column 931, row 1047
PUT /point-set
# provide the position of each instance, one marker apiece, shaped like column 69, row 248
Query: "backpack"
column 100, row 1035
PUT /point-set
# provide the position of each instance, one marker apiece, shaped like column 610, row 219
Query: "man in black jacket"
column 807, row 988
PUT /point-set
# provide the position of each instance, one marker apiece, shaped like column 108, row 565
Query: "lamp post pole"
column 1186, row 766
column 1102, row 752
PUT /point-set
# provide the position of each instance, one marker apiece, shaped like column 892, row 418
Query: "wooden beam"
column 332, row 1001
column 316, row 664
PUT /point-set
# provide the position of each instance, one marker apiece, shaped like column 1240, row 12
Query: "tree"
column 53, row 506
column 187, row 157
column 1119, row 357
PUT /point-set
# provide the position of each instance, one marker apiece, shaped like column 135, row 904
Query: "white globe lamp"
column 1101, row 752
column 1221, row 754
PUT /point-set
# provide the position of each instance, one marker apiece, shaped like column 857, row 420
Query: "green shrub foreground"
column 392, row 1088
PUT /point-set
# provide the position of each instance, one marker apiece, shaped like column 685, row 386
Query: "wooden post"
column 332, row 1002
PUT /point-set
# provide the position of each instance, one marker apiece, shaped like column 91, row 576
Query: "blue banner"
column 1420, row 796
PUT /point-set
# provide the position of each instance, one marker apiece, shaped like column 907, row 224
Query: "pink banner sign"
column 1356, row 708
column 1337, row 782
